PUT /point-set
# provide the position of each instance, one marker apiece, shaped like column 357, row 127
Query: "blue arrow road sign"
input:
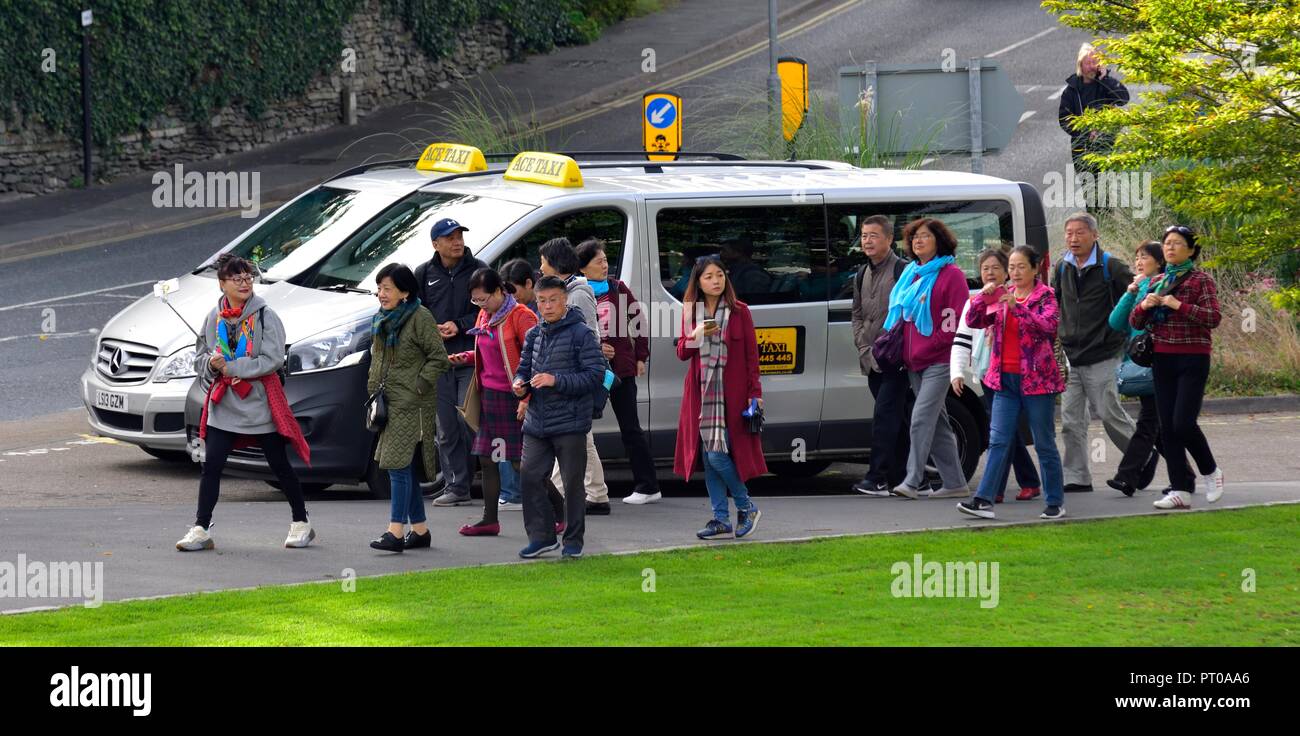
column 661, row 113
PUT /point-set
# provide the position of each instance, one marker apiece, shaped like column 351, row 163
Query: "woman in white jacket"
column 969, row 363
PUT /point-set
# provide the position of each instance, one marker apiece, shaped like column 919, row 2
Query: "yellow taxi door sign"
column 794, row 94
column 661, row 125
column 550, row 169
column 452, row 158
column 780, row 350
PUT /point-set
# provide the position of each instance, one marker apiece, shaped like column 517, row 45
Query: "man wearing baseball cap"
column 444, row 291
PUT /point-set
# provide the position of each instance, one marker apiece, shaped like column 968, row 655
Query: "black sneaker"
column 597, row 509
column 977, row 507
column 1122, row 486
column 1078, row 488
column 872, row 488
column 417, row 541
column 1053, row 513
column 388, row 543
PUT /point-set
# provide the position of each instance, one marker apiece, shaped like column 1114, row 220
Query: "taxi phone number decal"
column 780, row 349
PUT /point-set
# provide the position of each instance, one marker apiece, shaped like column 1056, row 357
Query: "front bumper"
column 154, row 415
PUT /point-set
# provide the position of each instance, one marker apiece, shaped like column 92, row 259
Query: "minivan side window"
column 607, row 224
column 977, row 224
column 772, row 254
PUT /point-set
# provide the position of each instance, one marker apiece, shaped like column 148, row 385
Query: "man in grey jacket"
column 871, row 288
column 560, row 259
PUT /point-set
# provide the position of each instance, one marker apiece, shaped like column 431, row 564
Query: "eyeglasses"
column 241, row 279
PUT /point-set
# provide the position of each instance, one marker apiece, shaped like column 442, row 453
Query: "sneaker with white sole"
column 906, row 491
column 1052, row 513
column 300, row 535
column 950, row 493
column 504, row 505
column 1175, row 500
column 639, row 498
column 197, row 538
column 1213, row 484
column 978, row 507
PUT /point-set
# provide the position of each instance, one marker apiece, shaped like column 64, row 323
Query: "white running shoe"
column 197, row 538
column 1175, row 500
column 504, row 505
column 1213, row 484
column 950, row 493
column 639, row 499
column 906, row 491
column 300, row 534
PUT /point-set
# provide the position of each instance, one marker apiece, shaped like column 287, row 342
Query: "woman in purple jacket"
column 1022, row 371
column 928, row 299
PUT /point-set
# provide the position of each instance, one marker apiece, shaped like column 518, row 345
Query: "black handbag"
column 1141, row 349
column 753, row 417
column 376, row 408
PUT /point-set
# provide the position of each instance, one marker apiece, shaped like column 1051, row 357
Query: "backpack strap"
column 899, row 266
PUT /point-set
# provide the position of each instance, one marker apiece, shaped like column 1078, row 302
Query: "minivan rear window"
column 401, row 234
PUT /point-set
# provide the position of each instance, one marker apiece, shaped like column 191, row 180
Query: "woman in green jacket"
column 407, row 357
column 1138, row 466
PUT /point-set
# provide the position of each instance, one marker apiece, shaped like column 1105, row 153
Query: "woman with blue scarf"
column 928, row 301
column 406, row 357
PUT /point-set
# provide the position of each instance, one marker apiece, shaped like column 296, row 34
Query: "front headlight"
column 327, row 349
column 179, row 365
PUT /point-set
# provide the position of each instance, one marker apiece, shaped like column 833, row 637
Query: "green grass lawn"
column 1167, row 580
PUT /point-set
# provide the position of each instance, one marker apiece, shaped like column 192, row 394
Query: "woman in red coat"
column 721, row 382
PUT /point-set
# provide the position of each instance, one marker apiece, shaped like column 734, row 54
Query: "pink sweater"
column 947, row 299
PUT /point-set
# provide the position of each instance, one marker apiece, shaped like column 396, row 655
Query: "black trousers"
column 540, row 454
column 889, row 437
column 1138, row 466
column 218, row 445
column 1180, row 388
column 623, row 399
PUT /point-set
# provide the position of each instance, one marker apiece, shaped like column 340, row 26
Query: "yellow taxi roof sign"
column 551, row 169
column 452, row 158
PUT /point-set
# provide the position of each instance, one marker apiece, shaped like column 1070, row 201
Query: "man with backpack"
column 1088, row 283
column 871, row 288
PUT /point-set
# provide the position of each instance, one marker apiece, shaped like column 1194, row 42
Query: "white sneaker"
column 300, row 534
column 197, row 538
column 639, row 498
column 950, row 493
column 906, row 491
column 1175, row 500
column 1213, row 484
column 504, row 505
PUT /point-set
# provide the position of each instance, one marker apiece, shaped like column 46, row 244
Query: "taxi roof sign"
column 551, row 169
column 452, row 158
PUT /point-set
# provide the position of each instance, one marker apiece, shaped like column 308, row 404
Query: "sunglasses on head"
column 1181, row 230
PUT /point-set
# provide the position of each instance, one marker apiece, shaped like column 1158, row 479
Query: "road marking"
column 1018, row 44
column 927, row 162
column 1027, row 115
column 706, row 69
column 1056, row 94
column 51, row 335
column 73, row 296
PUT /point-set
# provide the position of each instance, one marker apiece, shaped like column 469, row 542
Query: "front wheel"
column 967, row 433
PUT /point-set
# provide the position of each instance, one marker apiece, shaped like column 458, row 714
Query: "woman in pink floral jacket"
column 1022, row 371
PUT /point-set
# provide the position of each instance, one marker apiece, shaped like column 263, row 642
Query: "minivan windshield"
column 314, row 223
column 401, row 234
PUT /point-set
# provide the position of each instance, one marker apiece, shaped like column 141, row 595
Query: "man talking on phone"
column 1091, row 87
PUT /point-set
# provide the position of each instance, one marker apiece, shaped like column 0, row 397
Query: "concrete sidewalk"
column 136, row 542
column 570, row 80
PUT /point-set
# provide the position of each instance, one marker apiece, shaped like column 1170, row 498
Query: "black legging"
column 492, row 490
column 218, row 443
column 1180, row 387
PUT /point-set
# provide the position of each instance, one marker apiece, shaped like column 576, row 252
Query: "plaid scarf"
column 713, row 407
column 387, row 323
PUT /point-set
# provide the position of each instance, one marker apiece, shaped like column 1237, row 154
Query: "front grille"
column 169, row 422
column 120, row 420
column 249, row 453
column 125, row 363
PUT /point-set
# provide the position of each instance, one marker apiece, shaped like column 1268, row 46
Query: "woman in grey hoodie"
column 237, row 359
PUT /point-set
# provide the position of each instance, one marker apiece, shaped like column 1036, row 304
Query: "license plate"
column 110, row 401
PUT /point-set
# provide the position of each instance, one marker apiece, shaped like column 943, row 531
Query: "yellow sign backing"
column 661, row 125
column 794, row 94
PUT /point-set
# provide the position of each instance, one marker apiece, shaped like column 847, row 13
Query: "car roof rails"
column 577, row 155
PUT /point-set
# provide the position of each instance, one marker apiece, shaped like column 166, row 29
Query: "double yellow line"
column 695, row 74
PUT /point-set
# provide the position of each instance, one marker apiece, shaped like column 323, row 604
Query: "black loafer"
column 388, row 543
column 597, row 509
column 1126, row 488
column 1078, row 488
column 417, row 541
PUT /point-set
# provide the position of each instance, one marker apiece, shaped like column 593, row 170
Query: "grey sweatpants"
column 931, row 436
column 1091, row 385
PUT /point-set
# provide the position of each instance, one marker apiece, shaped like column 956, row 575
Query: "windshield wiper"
column 345, row 287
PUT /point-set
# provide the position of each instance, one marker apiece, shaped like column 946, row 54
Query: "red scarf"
column 285, row 423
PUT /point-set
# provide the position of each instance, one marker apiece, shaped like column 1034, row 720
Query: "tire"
column 306, row 487
column 169, row 456
column 969, row 444
column 807, row 469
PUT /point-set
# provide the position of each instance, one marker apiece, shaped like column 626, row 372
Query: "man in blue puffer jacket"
column 560, row 368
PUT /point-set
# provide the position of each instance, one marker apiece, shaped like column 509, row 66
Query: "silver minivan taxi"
column 786, row 230
column 134, row 387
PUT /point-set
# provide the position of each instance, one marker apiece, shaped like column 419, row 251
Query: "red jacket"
column 623, row 324
column 740, row 383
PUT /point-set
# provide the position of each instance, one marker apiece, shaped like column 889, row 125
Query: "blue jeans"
column 407, row 501
column 1003, row 429
column 509, row 483
column 720, row 476
column 1026, row 473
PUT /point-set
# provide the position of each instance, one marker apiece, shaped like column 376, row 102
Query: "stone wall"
column 390, row 69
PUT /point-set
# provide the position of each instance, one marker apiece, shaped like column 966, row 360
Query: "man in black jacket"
column 444, row 291
column 1086, row 297
column 1091, row 87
